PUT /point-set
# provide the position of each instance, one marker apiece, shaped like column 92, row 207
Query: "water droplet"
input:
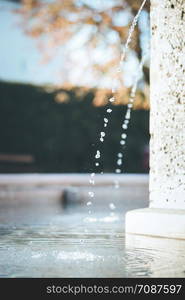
column 118, row 171
column 97, row 154
column 120, row 155
column 123, row 135
column 102, row 133
column 97, row 164
column 106, row 120
column 124, row 126
column 119, row 162
column 130, row 105
column 112, row 206
column 122, row 142
column 105, row 125
column 109, row 110
column 92, row 174
column 89, row 203
column 91, row 194
column 127, row 114
column 112, row 99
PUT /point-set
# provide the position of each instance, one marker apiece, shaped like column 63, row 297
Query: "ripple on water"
column 87, row 250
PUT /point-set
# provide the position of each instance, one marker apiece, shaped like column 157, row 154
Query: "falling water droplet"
column 91, row 194
column 112, row 99
column 132, row 97
column 122, row 142
column 97, row 154
column 127, row 114
column 112, row 206
column 118, row 171
column 89, row 203
column 119, row 162
column 109, row 110
column 102, row 133
column 123, row 135
column 124, row 126
column 120, row 155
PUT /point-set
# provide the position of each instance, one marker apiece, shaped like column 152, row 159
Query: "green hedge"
column 63, row 137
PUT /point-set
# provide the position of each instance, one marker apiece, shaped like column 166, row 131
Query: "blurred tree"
column 102, row 23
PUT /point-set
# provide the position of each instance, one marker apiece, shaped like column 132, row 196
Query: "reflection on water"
column 73, row 244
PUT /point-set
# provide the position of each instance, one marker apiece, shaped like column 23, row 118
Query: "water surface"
column 43, row 239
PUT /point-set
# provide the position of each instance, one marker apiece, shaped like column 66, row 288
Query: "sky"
column 21, row 59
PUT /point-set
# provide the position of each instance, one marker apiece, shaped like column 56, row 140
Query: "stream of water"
column 125, row 124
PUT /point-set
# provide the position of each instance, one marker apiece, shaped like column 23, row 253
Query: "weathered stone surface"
column 165, row 216
column 167, row 119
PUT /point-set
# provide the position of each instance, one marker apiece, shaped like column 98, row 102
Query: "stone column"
column 166, row 213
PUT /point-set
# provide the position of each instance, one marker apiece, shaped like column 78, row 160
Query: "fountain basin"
column 159, row 222
column 41, row 237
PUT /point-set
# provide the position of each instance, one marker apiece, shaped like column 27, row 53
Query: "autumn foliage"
column 55, row 23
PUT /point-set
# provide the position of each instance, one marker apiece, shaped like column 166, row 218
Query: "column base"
column 159, row 222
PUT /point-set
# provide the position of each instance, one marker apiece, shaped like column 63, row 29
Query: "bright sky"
column 20, row 59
